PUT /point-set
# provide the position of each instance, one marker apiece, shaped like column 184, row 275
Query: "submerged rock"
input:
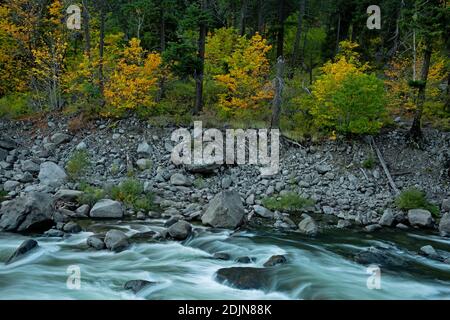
column 275, row 260
column 95, row 242
column 137, row 285
column 116, row 240
column 225, row 210
column 379, row 256
column 244, row 278
column 22, row 250
column 308, row 226
column 221, row 256
column 180, row 230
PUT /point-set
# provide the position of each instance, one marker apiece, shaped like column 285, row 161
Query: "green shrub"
column 369, row 163
column 288, row 202
column 3, row 195
column 15, row 105
column 91, row 195
column 414, row 198
column 131, row 192
column 77, row 165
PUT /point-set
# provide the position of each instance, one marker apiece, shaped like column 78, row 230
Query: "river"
column 316, row 268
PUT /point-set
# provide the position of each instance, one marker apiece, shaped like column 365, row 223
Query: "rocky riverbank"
column 343, row 180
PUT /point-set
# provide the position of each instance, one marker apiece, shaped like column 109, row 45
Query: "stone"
column 420, row 218
column 72, row 227
column 226, row 182
column 323, row 168
column 225, row 210
column 95, row 242
column 378, row 256
column 180, row 230
column 372, row 227
column 3, row 154
column 81, row 146
column 68, row 195
column 275, row 260
column 31, row 212
column 244, row 260
column 107, row 208
column 144, row 164
column 51, row 174
column 144, row 149
column 328, row 210
column 22, row 250
column 30, row 166
column 429, row 251
column 10, row 185
column 445, row 205
column 344, row 224
column 172, row 220
column 444, row 225
column 137, row 285
column 60, row 138
column 402, row 226
column 221, row 256
column 7, row 143
column 53, row 233
column 245, row 278
column 179, row 179
column 116, row 240
column 308, row 226
column 250, row 199
column 83, row 211
column 263, row 212
column 25, row 177
column 387, row 219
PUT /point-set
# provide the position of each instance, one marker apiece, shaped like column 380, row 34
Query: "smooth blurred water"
column 320, row 268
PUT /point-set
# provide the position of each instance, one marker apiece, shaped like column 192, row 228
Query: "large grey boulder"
column 22, row 250
column 444, row 225
column 308, row 226
column 225, row 210
column 107, row 208
column 60, row 138
column 31, row 212
column 245, row 278
column 116, row 240
column 95, row 242
column 10, row 185
column 30, row 166
column 179, row 179
column 420, row 218
column 445, row 205
column 180, row 230
column 263, row 212
column 144, row 149
column 51, row 174
column 68, row 195
column 387, row 219
column 7, row 143
column 137, row 285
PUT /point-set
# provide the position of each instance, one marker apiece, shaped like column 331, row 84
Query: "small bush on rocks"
column 131, row 192
column 78, row 164
column 414, row 198
column 91, row 195
column 288, row 202
column 3, row 195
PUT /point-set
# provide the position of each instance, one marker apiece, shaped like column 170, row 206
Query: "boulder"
column 60, row 138
column 179, row 179
column 225, row 210
column 3, row 154
column 180, row 230
column 31, row 212
column 275, row 260
column 22, row 250
column 378, row 256
column 263, row 212
column 244, row 260
column 323, row 168
column 372, row 227
column 68, row 195
column 83, row 211
column 54, row 233
column 343, row 224
column 444, row 225
column 7, row 143
column 95, row 242
column 116, row 240
column 430, row 252
column 107, row 208
column 72, row 227
column 221, row 256
column 137, row 285
column 387, row 219
column 445, row 205
column 245, row 278
column 51, row 174
column 420, row 218
column 144, row 149
column 10, row 185
column 308, row 226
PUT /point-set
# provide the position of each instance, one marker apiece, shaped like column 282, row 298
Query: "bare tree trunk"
column 101, row 79
column 416, row 131
column 162, row 31
column 298, row 34
column 260, row 16
column 338, row 35
column 199, row 72
column 87, row 33
column 242, row 19
column 280, row 34
column 278, row 98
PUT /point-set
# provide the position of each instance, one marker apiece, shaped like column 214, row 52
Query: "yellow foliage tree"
column 243, row 70
column 134, row 81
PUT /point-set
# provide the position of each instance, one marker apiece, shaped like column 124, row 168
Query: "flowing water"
column 320, row 268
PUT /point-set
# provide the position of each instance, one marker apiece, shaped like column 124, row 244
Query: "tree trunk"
column 101, row 46
column 260, row 16
column 416, row 131
column 447, row 101
column 280, row 35
column 201, row 64
column 242, row 19
column 278, row 98
column 338, row 35
column 298, row 34
column 162, row 31
column 87, row 34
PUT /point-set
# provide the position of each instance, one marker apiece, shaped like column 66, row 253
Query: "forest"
column 313, row 68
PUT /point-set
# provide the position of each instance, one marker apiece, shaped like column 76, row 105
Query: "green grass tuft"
column 289, row 202
column 77, row 165
column 414, row 198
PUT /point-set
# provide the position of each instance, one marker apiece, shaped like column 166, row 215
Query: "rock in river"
column 275, row 260
column 137, row 285
column 420, row 218
column 244, row 278
column 116, row 240
column 444, row 225
column 107, row 208
column 180, row 230
column 22, row 250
